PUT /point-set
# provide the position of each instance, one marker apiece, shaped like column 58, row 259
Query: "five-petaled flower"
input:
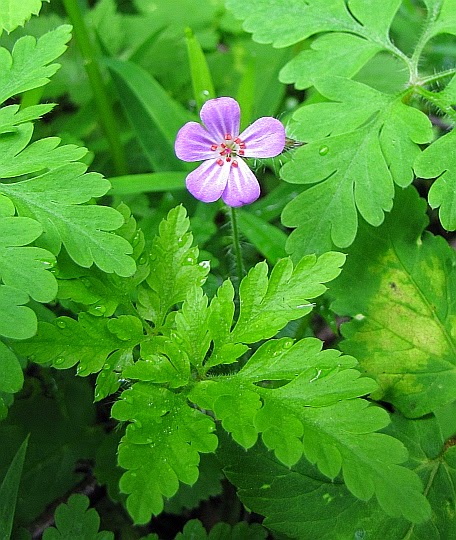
column 224, row 173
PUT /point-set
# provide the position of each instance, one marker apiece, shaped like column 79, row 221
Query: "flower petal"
column 207, row 182
column 264, row 138
column 193, row 143
column 221, row 117
column 242, row 186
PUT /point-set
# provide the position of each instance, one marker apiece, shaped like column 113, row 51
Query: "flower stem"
column 100, row 94
column 236, row 244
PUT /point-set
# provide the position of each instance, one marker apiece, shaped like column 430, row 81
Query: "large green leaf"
column 360, row 144
column 399, row 287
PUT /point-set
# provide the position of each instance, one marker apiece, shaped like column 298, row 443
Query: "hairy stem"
column 236, row 245
column 437, row 101
column 100, row 94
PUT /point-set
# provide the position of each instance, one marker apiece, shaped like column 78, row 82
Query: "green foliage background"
column 315, row 389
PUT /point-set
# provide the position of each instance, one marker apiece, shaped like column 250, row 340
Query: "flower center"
column 228, row 149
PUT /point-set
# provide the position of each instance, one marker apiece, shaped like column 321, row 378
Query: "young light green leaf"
column 161, row 446
column 29, row 65
column 75, row 521
column 399, row 286
column 438, row 161
column 9, row 489
column 15, row 13
column 12, row 116
column 364, row 143
column 55, row 200
column 267, row 305
column 88, row 341
column 174, row 269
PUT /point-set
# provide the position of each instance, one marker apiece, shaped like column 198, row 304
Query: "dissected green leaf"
column 55, row 200
column 17, row 321
column 316, row 412
column 75, row 521
column 25, row 267
column 222, row 531
column 438, row 161
column 12, row 116
column 161, row 446
column 88, row 341
column 398, row 285
column 360, row 144
column 302, row 504
column 267, row 305
column 9, row 489
column 174, row 268
column 11, row 376
column 29, row 65
column 15, row 13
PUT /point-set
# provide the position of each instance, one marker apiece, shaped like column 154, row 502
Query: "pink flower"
column 224, row 173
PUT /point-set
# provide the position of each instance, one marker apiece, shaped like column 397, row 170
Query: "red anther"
column 228, row 159
column 242, row 145
column 241, row 152
column 228, row 137
column 223, row 145
column 220, row 162
column 235, row 163
column 223, row 152
column 237, row 140
column 214, row 147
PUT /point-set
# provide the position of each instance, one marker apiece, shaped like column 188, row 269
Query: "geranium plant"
column 227, row 272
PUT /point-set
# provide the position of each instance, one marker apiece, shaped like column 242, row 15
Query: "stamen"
column 235, row 163
column 214, row 147
column 219, row 162
column 241, row 152
column 237, row 140
column 228, row 137
column 223, row 145
column 223, row 152
column 228, row 159
column 242, row 145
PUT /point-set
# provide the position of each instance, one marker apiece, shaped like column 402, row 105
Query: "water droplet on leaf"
column 61, row 324
column 59, row 361
column 323, row 150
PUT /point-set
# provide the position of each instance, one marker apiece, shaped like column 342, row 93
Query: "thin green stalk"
column 437, row 76
column 236, row 244
column 100, row 94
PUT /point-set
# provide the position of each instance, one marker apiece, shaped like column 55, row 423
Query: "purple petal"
column 221, row 117
column 207, row 182
column 242, row 187
column 193, row 143
column 264, row 138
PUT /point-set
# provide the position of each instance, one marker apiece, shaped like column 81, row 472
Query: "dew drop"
column 288, row 344
column 59, row 361
column 100, row 309
column 142, row 259
column 61, row 324
column 323, row 150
